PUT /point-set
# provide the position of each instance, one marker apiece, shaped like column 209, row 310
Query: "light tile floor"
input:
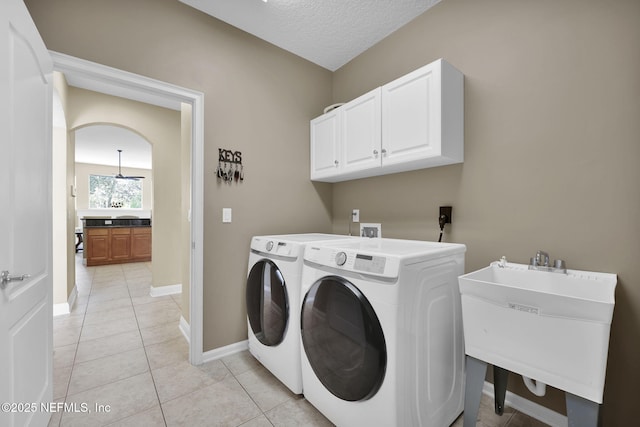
column 120, row 360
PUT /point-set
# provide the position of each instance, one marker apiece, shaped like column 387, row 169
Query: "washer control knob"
column 270, row 245
column 341, row 258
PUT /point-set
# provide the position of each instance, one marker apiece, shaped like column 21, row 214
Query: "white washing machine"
column 381, row 332
column 273, row 302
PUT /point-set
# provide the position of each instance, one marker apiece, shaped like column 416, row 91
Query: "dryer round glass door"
column 343, row 339
column 267, row 303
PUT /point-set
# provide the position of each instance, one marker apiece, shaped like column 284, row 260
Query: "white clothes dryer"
column 381, row 332
column 273, row 302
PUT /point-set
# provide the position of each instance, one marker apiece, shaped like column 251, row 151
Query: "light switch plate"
column 226, row 214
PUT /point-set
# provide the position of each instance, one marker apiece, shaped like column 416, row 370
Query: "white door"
column 26, row 319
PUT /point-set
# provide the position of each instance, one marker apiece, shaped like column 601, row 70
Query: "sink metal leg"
column 476, row 372
column 582, row 412
column 500, row 378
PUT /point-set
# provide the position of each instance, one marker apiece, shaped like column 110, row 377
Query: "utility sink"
column 548, row 326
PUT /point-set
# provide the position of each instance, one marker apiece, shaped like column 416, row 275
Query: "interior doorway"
column 99, row 78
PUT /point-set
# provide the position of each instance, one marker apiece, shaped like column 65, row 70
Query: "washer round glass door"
column 343, row 339
column 267, row 302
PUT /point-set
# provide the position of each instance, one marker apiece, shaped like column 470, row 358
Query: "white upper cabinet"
column 325, row 145
column 414, row 122
column 347, row 140
column 360, row 132
column 422, row 118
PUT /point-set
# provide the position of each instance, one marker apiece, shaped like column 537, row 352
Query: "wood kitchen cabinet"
column 120, row 241
column 114, row 245
column 413, row 122
column 141, row 244
column 96, row 246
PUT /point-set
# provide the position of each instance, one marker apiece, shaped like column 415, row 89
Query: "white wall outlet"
column 355, row 215
column 226, row 214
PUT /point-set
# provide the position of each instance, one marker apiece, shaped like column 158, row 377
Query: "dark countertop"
column 116, row 222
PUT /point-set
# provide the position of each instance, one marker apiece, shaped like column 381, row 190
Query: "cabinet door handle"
column 375, row 152
column 384, row 151
column 335, row 162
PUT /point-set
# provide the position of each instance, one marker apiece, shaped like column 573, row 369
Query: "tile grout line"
column 235, row 377
column 130, row 290
column 75, row 354
column 144, row 348
column 263, row 413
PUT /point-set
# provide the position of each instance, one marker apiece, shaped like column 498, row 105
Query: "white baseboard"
column 228, row 350
column 66, row 307
column 530, row 408
column 161, row 291
column 185, row 329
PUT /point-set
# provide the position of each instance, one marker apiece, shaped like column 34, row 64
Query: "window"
column 109, row 192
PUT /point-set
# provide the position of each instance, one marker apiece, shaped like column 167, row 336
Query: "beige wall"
column 185, row 140
column 161, row 128
column 59, row 217
column 258, row 100
column 552, row 130
column 63, row 202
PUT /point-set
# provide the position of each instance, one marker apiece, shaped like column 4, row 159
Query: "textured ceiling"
column 329, row 33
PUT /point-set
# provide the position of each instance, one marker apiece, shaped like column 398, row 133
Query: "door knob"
column 5, row 278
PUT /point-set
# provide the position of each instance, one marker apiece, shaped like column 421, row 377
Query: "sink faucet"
column 542, row 258
column 541, row 262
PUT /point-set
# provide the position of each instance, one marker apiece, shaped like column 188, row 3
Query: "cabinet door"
column 120, row 244
column 325, row 145
column 411, row 116
column 360, row 132
column 96, row 245
column 141, row 244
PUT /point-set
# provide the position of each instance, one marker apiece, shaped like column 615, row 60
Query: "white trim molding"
column 101, row 78
column 225, row 351
column 160, row 291
column 528, row 407
column 66, row 307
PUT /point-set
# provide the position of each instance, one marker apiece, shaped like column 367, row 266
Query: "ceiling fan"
column 119, row 175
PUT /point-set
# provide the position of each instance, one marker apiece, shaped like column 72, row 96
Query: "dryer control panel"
column 268, row 246
column 355, row 261
column 369, row 263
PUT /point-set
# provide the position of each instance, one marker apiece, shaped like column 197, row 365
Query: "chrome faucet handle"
column 559, row 264
column 542, row 258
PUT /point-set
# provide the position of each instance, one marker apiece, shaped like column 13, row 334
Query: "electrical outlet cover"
column 446, row 210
